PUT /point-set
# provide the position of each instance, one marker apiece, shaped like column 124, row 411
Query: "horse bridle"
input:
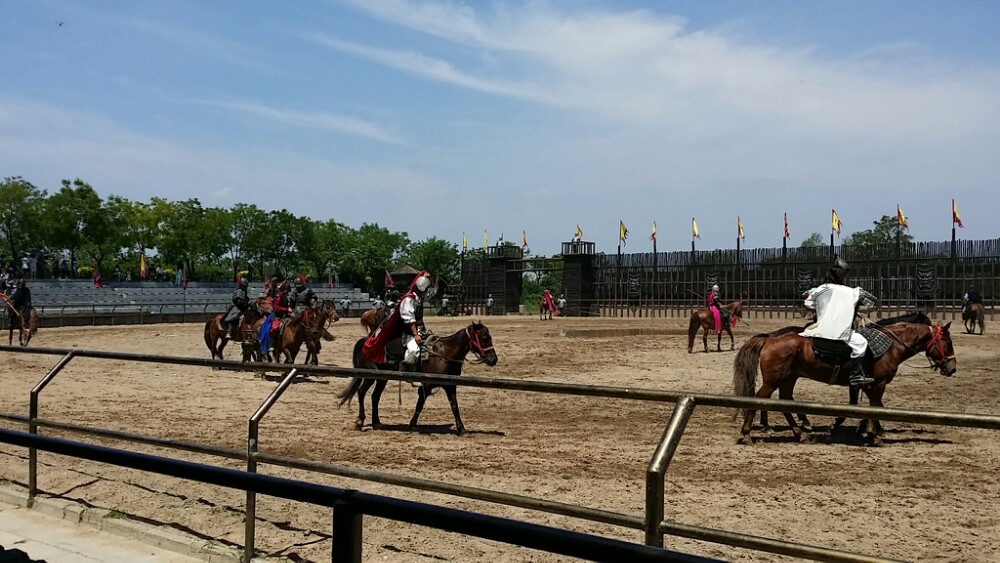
column 475, row 346
column 937, row 337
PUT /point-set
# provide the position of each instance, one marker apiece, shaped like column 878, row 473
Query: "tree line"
column 206, row 243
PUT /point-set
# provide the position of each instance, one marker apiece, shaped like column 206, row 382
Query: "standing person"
column 117, row 272
column 489, row 304
column 443, row 311
column 561, row 304
column 971, row 296
column 345, row 305
column 836, row 307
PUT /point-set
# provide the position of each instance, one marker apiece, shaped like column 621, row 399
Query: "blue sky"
column 436, row 118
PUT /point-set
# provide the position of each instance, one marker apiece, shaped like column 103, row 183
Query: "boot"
column 857, row 371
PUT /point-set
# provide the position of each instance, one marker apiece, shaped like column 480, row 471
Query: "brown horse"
column 918, row 317
column 544, row 313
column 703, row 318
column 306, row 328
column 216, row 339
column 373, row 317
column 974, row 312
column 26, row 328
column 785, row 358
column 314, row 338
column 446, row 356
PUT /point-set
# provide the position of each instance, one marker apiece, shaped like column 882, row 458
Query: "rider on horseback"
column 714, row 302
column 836, row 308
column 279, row 303
column 236, row 310
column 20, row 303
column 411, row 312
column 301, row 297
column 971, row 296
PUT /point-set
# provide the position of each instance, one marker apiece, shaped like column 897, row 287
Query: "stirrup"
column 860, row 380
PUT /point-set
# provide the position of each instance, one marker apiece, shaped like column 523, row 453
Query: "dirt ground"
column 931, row 493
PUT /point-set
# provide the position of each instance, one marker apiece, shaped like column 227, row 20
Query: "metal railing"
column 652, row 522
column 349, row 506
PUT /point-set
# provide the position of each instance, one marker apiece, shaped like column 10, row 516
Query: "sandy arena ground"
column 930, row 493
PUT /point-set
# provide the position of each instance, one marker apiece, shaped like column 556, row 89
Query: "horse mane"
column 916, row 317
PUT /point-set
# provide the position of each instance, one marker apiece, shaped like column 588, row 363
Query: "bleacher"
column 78, row 302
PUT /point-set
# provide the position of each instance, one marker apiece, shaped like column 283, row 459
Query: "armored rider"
column 279, row 303
column 21, row 302
column 411, row 312
column 971, row 296
column 836, row 307
column 714, row 303
column 237, row 309
column 301, row 297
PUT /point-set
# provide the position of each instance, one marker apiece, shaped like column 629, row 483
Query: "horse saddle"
column 833, row 352
column 395, row 351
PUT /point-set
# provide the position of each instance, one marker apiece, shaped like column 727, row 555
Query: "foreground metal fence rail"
column 652, row 522
column 349, row 506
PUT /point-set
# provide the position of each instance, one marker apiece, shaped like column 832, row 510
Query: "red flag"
column 388, row 280
column 185, row 284
column 329, row 281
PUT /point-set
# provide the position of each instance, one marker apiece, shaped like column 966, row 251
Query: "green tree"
column 182, row 238
column 20, row 209
column 812, row 241
column 437, row 256
column 372, row 250
column 243, row 222
column 885, row 231
column 73, row 216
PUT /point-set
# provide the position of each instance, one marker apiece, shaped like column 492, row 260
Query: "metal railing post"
column 347, row 530
column 250, row 524
column 657, row 469
column 33, row 426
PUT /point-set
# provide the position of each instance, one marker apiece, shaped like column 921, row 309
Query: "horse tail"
column 693, row 327
column 208, row 336
column 355, row 384
column 33, row 321
column 745, row 368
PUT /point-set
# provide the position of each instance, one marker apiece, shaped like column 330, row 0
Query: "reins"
column 475, row 346
column 937, row 332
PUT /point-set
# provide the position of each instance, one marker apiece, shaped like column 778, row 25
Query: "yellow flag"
column 694, row 229
column 836, row 222
column 465, row 242
column 652, row 237
column 739, row 228
column 622, row 232
column 901, row 219
column 486, row 241
column 954, row 216
column 579, row 233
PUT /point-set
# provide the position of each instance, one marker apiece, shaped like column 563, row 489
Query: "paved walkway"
column 54, row 540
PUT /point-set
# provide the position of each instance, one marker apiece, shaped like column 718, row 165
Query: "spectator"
column 345, row 305
column 24, row 266
column 561, row 304
column 489, row 304
column 118, row 273
column 443, row 311
column 75, row 268
column 64, row 269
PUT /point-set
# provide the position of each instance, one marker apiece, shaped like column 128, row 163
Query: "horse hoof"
column 376, row 426
column 359, row 425
column 745, row 440
column 463, row 432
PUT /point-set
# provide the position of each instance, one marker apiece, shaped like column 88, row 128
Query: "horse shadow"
column 433, row 429
column 847, row 435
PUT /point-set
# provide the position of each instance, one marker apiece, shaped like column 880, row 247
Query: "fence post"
column 33, row 426
column 347, row 530
column 250, row 517
column 657, row 469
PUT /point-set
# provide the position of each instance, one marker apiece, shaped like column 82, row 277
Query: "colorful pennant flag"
column 694, row 229
column 739, row 228
column 579, row 233
column 622, row 232
column 901, row 219
column 388, row 280
column 836, row 222
column 955, row 219
column 652, row 237
column 465, row 242
column 142, row 263
column 786, row 226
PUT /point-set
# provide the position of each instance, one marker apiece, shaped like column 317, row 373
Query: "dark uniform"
column 241, row 301
column 21, row 301
column 971, row 296
column 300, row 298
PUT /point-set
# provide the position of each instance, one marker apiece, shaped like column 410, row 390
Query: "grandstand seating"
column 74, row 300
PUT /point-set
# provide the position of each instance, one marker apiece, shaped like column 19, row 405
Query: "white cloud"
column 323, row 121
column 652, row 69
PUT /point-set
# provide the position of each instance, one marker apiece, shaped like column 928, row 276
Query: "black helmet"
column 837, row 273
